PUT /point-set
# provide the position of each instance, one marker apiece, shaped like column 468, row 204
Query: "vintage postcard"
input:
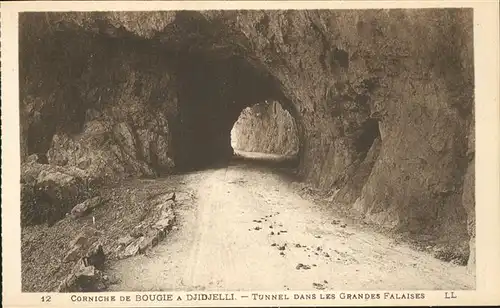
column 250, row 153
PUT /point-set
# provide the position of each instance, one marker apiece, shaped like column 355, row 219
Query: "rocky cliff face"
column 102, row 106
column 382, row 100
column 265, row 128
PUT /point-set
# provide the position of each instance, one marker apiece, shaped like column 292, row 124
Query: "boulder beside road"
column 85, row 207
column 48, row 192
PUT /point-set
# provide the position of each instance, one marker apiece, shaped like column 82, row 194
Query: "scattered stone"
column 326, row 254
column 88, row 271
column 86, row 275
column 282, row 247
column 325, row 281
column 148, row 234
column 49, row 192
column 162, row 197
column 302, row 266
column 167, row 212
column 343, row 225
column 318, row 249
column 83, row 278
column 318, row 286
column 148, row 241
column 73, row 254
column 283, row 231
column 314, row 265
column 278, row 233
column 34, row 158
column 132, row 249
column 165, row 207
column 81, row 239
column 81, row 243
column 164, row 224
column 85, row 207
column 274, row 244
column 282, row 253
column 257, row 228
column 335, row 221
column 95, row 256
column 124, row 241
column 298, row 245
column 270, row 227
column 137, row 231
column 317, row 236
column 258, row 221
column 272, row 233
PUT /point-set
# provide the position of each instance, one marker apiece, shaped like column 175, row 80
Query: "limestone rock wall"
column 403, row 77
column 382, row 99
column 266, row 128
column 100, row 105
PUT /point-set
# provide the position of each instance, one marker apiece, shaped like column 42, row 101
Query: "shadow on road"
column 285, row 165
column 280, row 164
column 265, row 160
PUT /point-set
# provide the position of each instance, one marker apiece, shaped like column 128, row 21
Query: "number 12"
column 46, row 299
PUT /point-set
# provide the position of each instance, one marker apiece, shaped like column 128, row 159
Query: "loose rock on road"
column 249, row 229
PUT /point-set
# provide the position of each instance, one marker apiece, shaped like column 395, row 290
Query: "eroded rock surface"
column 382, row 101
column 266, row 128
column 49, row 192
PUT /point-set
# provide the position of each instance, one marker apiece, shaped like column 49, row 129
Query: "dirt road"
column 249, row 229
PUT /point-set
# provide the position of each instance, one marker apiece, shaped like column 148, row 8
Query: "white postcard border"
column 486, row 51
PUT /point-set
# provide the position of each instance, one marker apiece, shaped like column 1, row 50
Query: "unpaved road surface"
column 249, row 229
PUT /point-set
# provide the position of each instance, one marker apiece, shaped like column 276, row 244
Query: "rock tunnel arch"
column 138, row 111
column 212, row 96
column 216, row 81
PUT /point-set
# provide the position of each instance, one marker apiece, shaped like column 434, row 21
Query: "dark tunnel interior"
column 213, row 93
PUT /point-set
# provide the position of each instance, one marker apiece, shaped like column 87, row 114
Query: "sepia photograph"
column 240, row 150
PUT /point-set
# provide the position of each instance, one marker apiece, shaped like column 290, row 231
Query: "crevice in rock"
column 369, row 132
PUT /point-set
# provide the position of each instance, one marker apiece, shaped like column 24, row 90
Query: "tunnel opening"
column 213, row 91
column 266, row 132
